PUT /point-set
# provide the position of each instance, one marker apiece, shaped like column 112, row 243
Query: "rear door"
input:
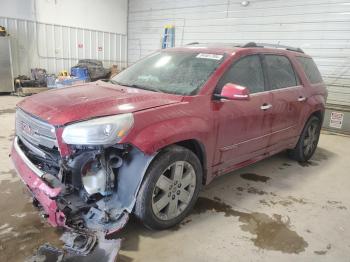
column 244, row 125
column 288, row 97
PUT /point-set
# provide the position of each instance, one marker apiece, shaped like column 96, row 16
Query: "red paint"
column 233, row 133
column 41, row 191
column 63, row 148
column 235, row 92
column 62, row 106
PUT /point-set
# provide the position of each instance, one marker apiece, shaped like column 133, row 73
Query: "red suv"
column 146, row 141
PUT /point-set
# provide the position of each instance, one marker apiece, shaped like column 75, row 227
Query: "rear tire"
column 308, row 140
column 170, row 188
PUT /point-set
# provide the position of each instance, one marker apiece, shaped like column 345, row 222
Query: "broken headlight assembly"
column 92, row 166
column 100, row 131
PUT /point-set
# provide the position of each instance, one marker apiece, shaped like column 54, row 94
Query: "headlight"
column 100, row 131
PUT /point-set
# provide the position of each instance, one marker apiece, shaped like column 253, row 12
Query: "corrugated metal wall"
column 56, row 47
column 320, row 27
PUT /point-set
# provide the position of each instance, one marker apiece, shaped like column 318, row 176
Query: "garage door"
column 320, row 27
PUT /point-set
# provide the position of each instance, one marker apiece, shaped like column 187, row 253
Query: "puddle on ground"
column 323, row 252
column 124, row 258
column 254, row 177
column 240, row 189
column 320, row 252
column 8, row 176
column 21, row 229
column 270, row 203
column 308, row 163
column 217, row 198
column 284, row 165
column 319, row 156
column 272, row 233
column 252, row 190
column 8, row 111
column 298, row 200
column 334, row 204
column 290, row 200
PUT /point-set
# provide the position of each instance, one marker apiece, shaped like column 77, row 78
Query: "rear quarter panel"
column 316, row 93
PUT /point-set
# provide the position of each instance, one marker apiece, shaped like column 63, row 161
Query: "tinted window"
column 310, row 70
column 245, row 72
column 280, row 71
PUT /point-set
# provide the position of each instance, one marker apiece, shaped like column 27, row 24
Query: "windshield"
column 181, row 73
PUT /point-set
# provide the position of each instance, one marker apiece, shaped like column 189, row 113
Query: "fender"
column 129, row 178
column 161, row 134
column 146, row 145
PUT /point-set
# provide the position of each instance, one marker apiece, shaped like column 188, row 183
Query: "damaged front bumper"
column 32, row 177
column 62, row 208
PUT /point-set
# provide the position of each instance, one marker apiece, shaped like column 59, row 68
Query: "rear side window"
column 245, row 72
column 280, row 72
column 310, row 70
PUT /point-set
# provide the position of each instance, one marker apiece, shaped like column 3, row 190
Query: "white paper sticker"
column 336, row 120
column 209, row 56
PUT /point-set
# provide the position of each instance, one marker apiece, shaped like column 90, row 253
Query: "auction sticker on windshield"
column 209, row 56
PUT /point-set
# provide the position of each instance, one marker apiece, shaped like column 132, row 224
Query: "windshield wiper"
column 114, row 82
column 140, row 87
column 135, row 86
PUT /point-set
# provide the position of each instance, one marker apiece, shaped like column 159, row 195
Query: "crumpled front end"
column 43, row 193
column 86, row 188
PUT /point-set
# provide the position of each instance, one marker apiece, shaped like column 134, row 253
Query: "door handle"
column 265, row 106
column 301, row 98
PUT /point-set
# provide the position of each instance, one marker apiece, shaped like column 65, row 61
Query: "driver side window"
column 245, row 72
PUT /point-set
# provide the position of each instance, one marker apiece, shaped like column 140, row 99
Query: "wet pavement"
column 275, row 210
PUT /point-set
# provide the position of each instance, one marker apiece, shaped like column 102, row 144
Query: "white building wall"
column 55, row 34
column 320, row 27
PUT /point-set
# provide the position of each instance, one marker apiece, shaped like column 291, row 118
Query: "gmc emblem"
column 26, row 128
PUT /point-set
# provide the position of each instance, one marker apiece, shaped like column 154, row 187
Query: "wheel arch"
column 316, row 107
column 193, row 145
column 199, row 150
column 319, row 114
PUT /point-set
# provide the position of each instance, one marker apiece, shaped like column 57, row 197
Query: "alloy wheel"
column 174, row 190
column 310, row 140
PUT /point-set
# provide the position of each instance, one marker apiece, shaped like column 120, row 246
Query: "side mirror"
column 233, row 92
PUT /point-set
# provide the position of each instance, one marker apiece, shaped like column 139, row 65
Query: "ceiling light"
column 244, row 3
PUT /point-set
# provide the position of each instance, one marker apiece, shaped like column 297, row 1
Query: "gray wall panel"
column 56, row 47
column 320, row 27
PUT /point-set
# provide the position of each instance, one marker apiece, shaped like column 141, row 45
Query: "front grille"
column 35, row 131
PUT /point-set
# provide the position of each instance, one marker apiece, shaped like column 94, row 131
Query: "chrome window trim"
column 276, row 90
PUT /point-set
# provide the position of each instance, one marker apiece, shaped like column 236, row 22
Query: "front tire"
column 170, row 188
column 308, row 140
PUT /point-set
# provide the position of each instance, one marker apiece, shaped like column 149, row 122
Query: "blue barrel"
column 79, row 72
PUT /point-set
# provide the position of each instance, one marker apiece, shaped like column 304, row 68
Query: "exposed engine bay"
column 98, row 185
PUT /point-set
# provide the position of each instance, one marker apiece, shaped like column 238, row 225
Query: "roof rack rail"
column 193, row 43
column 290, row 48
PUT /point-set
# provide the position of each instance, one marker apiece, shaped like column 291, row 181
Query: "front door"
column 244, row 126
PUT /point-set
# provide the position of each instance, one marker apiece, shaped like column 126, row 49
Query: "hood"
column 71, row 104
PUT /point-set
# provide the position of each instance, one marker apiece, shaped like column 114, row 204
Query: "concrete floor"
column 275, row 210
